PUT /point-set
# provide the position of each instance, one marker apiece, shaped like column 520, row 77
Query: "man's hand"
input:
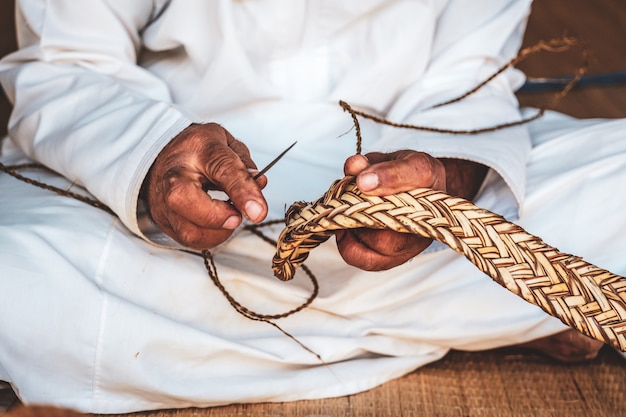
column 200, row 158
column 384, row 174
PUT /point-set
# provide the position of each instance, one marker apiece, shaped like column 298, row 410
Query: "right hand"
column 383, row 174
column 202, row 157
column 387, row 173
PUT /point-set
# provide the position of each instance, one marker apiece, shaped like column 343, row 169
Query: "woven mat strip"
column 581, row 295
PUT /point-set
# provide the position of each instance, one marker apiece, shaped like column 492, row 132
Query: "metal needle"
column 271, row 164
column 209, row 186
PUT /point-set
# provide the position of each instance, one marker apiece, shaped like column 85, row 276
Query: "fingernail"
column 253, row 210
column 368, row 181
column 231, row 223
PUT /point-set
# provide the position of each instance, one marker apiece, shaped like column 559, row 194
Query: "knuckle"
column 221, row 168
column 197, row 238
column 188, row 237
column 361, row 261
column 368, row 264
column 175, row 194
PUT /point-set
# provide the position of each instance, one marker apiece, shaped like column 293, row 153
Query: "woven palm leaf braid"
column 580, row 294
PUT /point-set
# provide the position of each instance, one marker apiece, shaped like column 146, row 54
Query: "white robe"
column 100, row 315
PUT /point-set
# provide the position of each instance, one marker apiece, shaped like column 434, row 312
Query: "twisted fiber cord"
column 13, row 171
column 581, row 295
column 554, row 45
column 211, row 268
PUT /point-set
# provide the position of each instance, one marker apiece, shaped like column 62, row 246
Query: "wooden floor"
column 501, row 382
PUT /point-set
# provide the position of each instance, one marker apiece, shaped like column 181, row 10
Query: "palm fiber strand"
column 582, row 295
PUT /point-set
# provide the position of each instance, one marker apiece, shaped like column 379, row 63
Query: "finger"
column 194, row 237
column 261, row 181
column 354, row 247
column 241, row 150
column 391, row 243
column 177, row 210
column 186, row 199
column 244, row 154
column 406, row 170
column 228, row 172
column 355, row 164
column 356, row 254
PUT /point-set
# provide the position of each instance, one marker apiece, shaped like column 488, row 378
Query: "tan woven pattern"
column 582, row 295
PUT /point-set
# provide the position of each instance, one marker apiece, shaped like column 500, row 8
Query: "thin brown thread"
column 12, row 170
column 355, row 122
column 211, row 268
column 554, row 45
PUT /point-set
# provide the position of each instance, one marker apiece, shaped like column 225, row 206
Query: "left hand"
column 384, row 174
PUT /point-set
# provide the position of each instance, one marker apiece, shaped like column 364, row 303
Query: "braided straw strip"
column 581, row 295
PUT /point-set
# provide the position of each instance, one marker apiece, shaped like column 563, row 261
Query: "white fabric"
column 96, row 318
